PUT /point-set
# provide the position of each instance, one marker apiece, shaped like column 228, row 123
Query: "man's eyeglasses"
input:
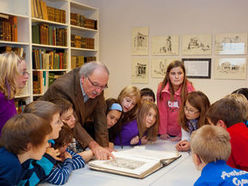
column 96, row 85
column 190, row 111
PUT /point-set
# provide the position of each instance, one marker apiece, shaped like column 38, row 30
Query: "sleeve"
column 77, row 160
column 101, row 131
column 60, row 174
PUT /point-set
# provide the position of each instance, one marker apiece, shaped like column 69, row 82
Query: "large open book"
column 137, row 163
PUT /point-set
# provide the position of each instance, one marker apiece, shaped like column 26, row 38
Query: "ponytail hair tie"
column 116, row 106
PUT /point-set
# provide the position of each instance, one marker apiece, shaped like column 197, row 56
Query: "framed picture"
column 231, row 43
column 165, row 45
column 230, row 68
column 140, row 41
column 197, row 68
column 159, row 66
column 140, row 70
column 197, row 45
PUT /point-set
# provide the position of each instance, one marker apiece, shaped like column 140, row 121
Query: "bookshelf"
column 45, row 38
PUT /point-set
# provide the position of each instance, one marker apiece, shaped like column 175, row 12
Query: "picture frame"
column 140, row 70
column 140, row 41
column 230, row 68
column 197, row 67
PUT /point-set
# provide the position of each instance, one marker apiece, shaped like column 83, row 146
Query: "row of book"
column 42, row 11
column 45, row 59
column 18, row 50
column 20, row 105
column 49, row 35
column 8, row 28
column 77, row 61
column 82, row 21
column 82, row 42
column 41, row 82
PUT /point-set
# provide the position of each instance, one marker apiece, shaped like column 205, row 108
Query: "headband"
column 116, row 106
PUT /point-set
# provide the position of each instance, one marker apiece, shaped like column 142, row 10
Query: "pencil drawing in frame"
column 140, row 41
column 197, row 44
column 197, row 67
column 231, row 43
column 140, row 70
column 165, row 45
column 230, row 68
column 159, row 66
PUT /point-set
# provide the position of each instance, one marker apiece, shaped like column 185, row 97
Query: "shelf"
column 49, row 46
column 12, row 14
column 22, row 96
column 83, row 28
column 84, row 49
column 13, row 43
column 50, row 70
column 37, row 95
column 37, row 20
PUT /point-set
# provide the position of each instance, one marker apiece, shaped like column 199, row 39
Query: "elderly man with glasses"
column 83, row 87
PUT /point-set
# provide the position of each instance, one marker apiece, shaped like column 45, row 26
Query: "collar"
column 84, row 94
column 167, row 89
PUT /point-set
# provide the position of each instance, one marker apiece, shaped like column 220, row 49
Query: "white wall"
column 118, row 17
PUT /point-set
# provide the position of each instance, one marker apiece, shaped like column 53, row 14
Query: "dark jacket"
column 68, row 87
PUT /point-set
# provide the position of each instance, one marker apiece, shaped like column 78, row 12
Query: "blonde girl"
column 13, row 77
column 191, row 117
column 171, row 92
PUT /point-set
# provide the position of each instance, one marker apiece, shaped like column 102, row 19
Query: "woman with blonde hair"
column 13, row 77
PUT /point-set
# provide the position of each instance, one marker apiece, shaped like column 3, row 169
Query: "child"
column 227, row 113
column 24, row 136
column 143, row 129
column 192, row 116
column 70, row 160
column 171, row 92
column 147, row 94
column 39, row 170
column 68, row 118
column 113, row 112
column 14, row 75
column 211, row 148
column 243, row 91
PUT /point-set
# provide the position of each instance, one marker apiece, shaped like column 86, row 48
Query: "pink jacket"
column 168, row 110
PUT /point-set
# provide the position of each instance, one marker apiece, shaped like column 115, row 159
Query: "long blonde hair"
column 9, row 62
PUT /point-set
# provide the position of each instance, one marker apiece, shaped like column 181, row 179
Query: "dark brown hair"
column 166, row 80
column 43, row 109
column 63, row 104
column 227, row 110
column 198, row 100
column 22, row 129
column 65, row 137
column 151, row 132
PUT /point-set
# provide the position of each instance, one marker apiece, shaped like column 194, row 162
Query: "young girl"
column 24, row 136
column 129, row 98
column 171, row 92
column 143, row 129
column 13, row 77
column 191, row 117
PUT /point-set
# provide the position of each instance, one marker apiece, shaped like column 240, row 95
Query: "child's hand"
column 183, row 145
column 144, row 140
column 134, row 140
column 54, row 153
column 86, row 155
column 67, row 155
column 164, row 136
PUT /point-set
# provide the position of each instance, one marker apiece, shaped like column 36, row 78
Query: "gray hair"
column 87, row 69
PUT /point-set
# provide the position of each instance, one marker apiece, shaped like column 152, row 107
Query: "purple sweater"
column 128, row 131
column 7, row 110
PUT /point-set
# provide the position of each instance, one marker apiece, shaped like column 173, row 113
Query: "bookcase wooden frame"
column 22, row 10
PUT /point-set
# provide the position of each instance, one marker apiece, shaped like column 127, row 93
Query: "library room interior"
column 134, row 92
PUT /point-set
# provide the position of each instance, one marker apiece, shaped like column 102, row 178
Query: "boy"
column 70, row 160
column 211, row 148
column 24, row 137
column 227, row 113
column 147, row 94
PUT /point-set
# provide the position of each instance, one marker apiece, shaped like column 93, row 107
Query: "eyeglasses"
column 96, row 85
column 190, row 111
column 24, row 73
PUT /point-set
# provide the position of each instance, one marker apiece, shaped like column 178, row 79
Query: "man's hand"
column 100, row 152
